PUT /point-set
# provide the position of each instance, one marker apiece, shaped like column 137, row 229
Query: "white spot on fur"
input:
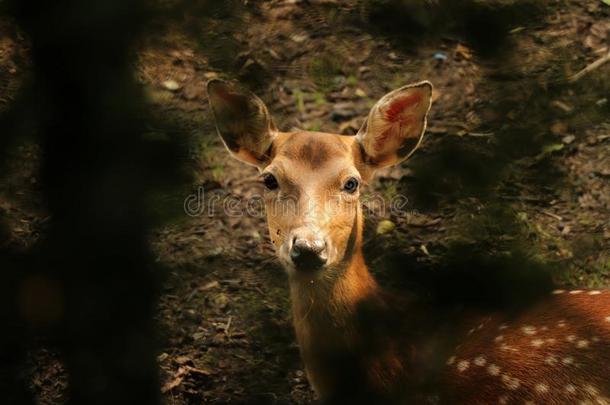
column 568, row 360
column 451, row 360
column 574, row 292
column 528, row 330
column 608, row 319
column 602, row 401
column 594, row 292
column 571, row 338
column 551, row 340
column 510, row 382
column 537, row 342
column 582, row 344
column 551, row 360
column 556, row 292
column 493, row 369
column 508, row 348
column 499, row 338
column 480, row 361
column 542, row 388
column 561, row 324
column 591, row 389
column 463, row 365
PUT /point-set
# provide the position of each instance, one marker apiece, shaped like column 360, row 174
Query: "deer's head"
column 313, row 179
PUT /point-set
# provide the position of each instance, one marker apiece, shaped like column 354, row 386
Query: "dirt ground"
column 224, row 310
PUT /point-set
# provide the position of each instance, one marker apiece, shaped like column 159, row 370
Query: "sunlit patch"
column 541, row 388
column 528, row 330
column 582, row 344
column 568, row 360
column 556, row 292
column 537, row 342
column 594, row 292
column 480, row 361
column 494, row 370
column 574, row 292
column 463, row 365
column 571, row 338
column 608, row 319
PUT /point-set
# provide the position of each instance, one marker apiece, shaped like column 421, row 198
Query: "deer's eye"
column 270, row 181
column 351, row 185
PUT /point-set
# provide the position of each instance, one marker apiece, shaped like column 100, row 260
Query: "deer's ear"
column 396, row 124
column 243, row 122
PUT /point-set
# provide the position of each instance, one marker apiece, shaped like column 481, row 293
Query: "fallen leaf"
column 385, row 226
column 463, row 52
column 183, row 360
column 424, row 249
column 210, row 285
column 170, row 385
column 171, row 85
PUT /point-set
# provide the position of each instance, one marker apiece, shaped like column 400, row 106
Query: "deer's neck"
column 321, row 301
column 327, row 304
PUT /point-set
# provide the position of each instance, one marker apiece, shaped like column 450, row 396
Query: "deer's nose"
column 308, row 253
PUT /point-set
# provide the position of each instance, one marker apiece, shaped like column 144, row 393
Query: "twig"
column 228, row 325
column 550, row 214
column 480, row 134
column 591, row 67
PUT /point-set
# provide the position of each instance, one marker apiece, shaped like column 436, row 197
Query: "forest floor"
column 224, row 310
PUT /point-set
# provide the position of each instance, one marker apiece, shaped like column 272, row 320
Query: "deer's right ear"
column 243, row 122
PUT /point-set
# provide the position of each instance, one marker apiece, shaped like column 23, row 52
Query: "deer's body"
column 359, row 344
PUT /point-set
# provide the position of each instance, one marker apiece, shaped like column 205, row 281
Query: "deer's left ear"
column 396, row 125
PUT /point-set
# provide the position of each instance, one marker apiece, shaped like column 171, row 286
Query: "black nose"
column 308, row 254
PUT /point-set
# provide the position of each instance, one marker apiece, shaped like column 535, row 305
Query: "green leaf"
column 553, row 147
column 385, row 226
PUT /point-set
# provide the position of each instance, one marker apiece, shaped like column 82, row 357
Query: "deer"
column 362, row 345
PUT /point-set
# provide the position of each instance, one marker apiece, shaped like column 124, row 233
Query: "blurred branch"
column 591, row 67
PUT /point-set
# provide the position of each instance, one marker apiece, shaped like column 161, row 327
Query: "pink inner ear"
column 397, row 107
